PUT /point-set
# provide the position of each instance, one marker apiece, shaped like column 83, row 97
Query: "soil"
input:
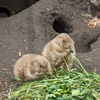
column 31, row 29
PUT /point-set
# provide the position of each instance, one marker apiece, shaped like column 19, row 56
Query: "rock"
column 96, row 3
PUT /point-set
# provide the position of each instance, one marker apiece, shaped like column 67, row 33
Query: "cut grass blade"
column 78, row 63
column 66, row 65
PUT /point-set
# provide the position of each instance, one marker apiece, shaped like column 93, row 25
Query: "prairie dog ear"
column 34, row 65
column 57, row 43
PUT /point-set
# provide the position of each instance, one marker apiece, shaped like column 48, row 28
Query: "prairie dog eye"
column 35, row 60
column 64, row 41
column 41, row 65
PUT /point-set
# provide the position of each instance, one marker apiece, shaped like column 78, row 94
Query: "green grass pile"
column 62, row 85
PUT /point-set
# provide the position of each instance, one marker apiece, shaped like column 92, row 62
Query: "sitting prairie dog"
column 28, row 67
column 60, row 47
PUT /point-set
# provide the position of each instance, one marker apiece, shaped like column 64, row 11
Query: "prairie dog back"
column 29, row 66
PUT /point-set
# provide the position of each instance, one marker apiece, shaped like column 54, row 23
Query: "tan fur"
column 29, row 66
column 59, row 47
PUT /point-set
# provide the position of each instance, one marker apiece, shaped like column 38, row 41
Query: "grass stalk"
column 79, row 63
column 66, row 65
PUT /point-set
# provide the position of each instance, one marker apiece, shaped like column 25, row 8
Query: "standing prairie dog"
column 28, row 67
column 60, row 47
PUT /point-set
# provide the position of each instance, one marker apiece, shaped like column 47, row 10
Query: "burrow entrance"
column 4, row 12
column 62, row 24
column 84, row 41
column 12, row 7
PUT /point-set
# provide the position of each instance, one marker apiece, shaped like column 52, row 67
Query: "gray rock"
column 96, row 3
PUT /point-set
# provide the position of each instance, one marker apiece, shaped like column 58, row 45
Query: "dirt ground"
column 31, row 29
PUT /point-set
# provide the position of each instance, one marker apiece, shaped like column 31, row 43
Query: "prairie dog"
column 29, row 66
column 59, row 47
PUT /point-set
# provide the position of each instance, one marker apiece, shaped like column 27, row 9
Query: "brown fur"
column 60, row 47
column 29, row 66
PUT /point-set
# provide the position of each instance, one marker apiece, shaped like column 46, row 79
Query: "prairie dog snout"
column 29, row 66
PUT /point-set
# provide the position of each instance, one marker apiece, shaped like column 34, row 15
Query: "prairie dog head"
column 42, row 64
column 64, row 41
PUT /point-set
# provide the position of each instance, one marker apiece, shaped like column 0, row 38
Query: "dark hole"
column 15, row 6
column 84, row 41
column 4, row 12
column 91, row 42
column 62, row 25
column 34, row 1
